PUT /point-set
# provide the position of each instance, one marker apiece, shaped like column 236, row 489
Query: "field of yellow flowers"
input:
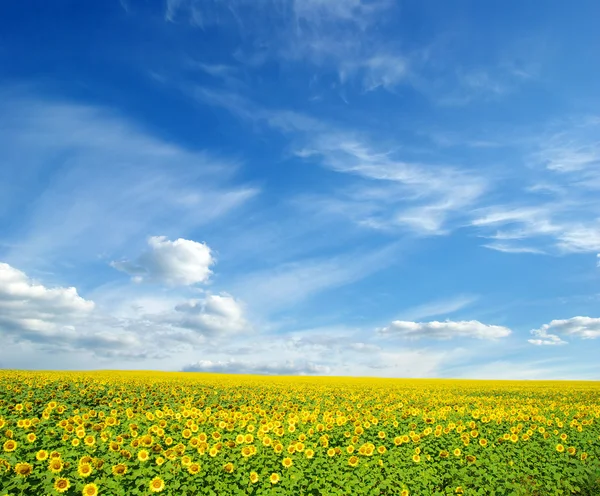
column 141, row 433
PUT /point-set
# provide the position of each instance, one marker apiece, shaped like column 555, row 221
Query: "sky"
column 387, row 188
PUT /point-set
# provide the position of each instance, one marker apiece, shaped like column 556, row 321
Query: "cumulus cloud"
column 176, row 263
column 581, row 327
column 26, row 304
column 445, row 330
column 54, row 318
column 276, row 368
column 59, row 319
column 213, row 315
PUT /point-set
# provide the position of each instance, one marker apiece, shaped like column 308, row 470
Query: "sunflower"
column 89, row 440
column 309, row 453
column 514, row 438
column 457, row 452
column 471, row 458
column 160, row 460
column 90, row 490
column 61, row 484
column 571, row 450
column 228, row 467
column 331, row 452
column 404, row 492
column 483, row 442
column 560, row 448
column 193, row 468
column 253, row 477
column 31, row 437
column 84, row 470
column 157, row 485
column 75, row 442
column 274, row 479
column 41, row 455
column 55, row 465
column 353, row 461
column 444, row 454
column 119, row 469
column 381, row 450
column 143, row 455
column 23, row 469
column 287, row 462
column 10, row 446
column 416, row 458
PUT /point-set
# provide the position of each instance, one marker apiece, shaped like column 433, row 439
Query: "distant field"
column 124, row 433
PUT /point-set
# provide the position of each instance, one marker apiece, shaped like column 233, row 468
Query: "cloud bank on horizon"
column 382, row 188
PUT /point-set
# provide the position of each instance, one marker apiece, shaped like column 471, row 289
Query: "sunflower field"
column 143, row 433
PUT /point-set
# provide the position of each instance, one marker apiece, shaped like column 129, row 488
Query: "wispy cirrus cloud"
column 107, row 181
column 444, row 330
column 389, row 192
column 339, row 36
column 435, row 308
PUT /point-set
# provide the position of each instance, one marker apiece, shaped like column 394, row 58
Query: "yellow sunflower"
column 41, row 455
column 157, row 485
column 23, row 469
column 90, row 490
column 10, row 446
column 274, row 479
column 287, row 462
column 84, row 470
column 55, row 465
column 253, row 477
column 61, row 484
column 119, row 469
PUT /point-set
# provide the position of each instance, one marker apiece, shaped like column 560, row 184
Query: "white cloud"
column 53, row 318
column 181, row 262
column 22, row 299
column 504, row 248
column 580, row 327
column 59, row 320
column 439, row 307
column 290, row 283
column 339, row 35
column 387, row 192
column 233, row 366
column 444, row 330
column 212, row 315
column 107, row 181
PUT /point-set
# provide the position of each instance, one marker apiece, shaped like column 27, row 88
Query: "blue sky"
column 344, row 187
